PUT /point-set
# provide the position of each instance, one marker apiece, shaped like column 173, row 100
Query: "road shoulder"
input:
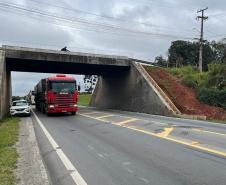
column 30, row 167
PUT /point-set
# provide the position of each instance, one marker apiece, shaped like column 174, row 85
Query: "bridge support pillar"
column 5, row 86
column 127, row 91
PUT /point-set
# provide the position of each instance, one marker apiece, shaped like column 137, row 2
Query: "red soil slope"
column 183, row 97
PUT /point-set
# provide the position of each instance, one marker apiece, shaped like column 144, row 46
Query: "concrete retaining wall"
column 128, row 91
column 5, row 86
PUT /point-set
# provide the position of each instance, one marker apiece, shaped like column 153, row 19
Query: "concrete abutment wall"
column 5, row 86
column 127, row 91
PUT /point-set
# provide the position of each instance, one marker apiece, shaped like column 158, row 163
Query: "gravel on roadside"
column 30, row 167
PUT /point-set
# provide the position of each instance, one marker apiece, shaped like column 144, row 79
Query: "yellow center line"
column 193, row 144
column 126, row 121
column 166, row 132
column 210, row 132
column 91, row 117
column 106, row 116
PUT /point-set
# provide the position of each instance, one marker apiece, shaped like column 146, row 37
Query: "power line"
column 89, row 23
column 110, row 17
column 72, row 25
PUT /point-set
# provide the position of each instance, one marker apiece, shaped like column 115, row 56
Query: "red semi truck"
column 56, row 95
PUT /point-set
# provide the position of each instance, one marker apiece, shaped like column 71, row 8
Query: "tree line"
column 182, row 53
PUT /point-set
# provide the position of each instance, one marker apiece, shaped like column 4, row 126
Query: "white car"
column 20, row 107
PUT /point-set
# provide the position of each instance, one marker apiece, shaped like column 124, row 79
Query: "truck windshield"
column 63, row 87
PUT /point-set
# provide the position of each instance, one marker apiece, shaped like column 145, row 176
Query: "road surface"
column 120, row 148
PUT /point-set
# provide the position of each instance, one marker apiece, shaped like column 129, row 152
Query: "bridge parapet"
column 24, row 53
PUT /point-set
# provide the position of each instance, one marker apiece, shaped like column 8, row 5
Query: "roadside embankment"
column 183, row 96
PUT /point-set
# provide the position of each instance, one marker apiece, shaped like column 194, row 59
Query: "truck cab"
column 57, row 94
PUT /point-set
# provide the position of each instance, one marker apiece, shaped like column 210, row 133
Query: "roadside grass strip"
column 84, row 99
column 9, row 130
column 164, row 135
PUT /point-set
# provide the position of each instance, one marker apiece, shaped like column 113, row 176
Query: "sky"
column 140, row 29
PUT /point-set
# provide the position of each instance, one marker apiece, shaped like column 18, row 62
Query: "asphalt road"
column 120, row 148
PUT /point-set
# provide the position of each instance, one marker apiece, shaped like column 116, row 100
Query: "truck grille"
column 64, row 100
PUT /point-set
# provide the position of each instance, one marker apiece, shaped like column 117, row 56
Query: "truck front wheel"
column 73, row 113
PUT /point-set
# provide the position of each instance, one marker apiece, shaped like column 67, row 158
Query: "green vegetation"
column 213, row 97
column 210, row 86
column 84, row 99
column 9, row 129
column 183, row 53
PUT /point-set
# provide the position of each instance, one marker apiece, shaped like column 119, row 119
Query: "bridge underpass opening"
column 120, row 85
column 23, row 82
column 23, row 87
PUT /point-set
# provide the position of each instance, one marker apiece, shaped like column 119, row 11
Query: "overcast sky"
column 140, row 29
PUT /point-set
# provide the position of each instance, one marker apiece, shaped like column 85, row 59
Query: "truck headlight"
column 51, row 106
column 75, row 105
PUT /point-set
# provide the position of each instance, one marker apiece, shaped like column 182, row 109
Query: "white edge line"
column 77, row 178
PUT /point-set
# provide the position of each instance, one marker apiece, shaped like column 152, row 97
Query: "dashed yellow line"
column 126, row 121
column 106, row 116
column 193, row 144
column 166, row 132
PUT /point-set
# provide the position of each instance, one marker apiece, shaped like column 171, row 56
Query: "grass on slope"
column 9, row 129
column 210, row 86
column 185, row 98
column 84, row 99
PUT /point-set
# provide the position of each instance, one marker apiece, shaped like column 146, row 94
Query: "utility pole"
column 203, row 18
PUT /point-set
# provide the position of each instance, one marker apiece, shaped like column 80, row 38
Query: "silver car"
column 20, row 107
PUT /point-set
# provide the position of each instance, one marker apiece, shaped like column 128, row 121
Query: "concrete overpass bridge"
column 121, row 84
